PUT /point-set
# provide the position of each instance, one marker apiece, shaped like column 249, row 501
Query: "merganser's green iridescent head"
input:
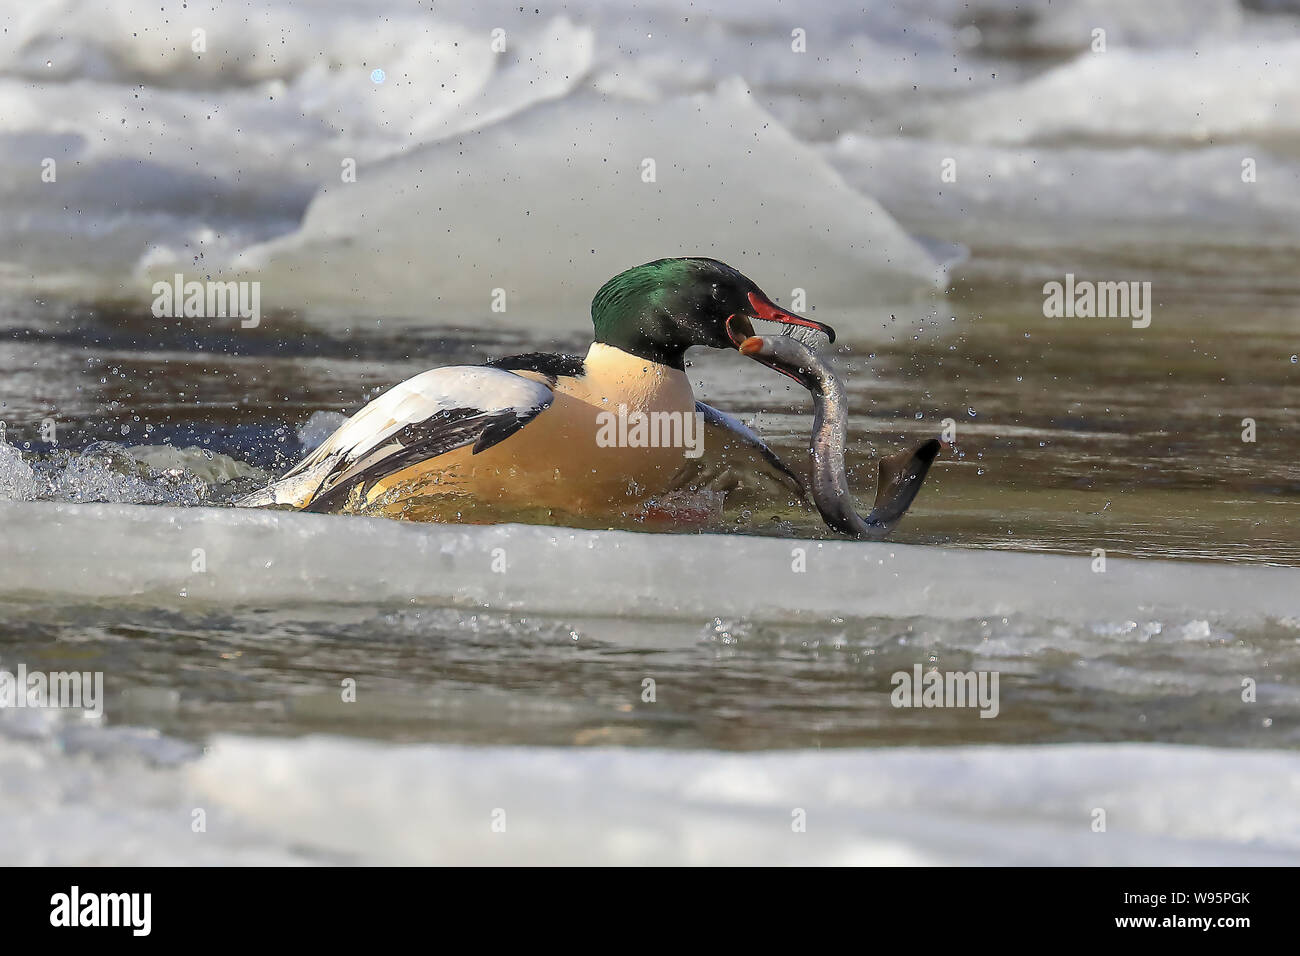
column 660, row 309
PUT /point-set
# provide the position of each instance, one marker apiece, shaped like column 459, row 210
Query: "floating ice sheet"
column 114, row 552
column 547, row 206
column 74, row 795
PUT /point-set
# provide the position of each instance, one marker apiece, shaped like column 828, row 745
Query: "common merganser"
column 526, row 431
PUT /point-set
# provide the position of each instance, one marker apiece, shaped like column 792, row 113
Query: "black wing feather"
column 436, row 435
column 549, row 364
column 738, row 428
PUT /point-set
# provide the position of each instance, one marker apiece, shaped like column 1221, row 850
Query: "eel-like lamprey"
column 900, row 475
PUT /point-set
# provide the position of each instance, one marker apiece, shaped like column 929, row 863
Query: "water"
column 770, row 684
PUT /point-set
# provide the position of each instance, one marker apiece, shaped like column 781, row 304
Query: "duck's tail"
column 292, row 491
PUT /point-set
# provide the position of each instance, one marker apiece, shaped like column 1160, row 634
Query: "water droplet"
column 377, row 76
